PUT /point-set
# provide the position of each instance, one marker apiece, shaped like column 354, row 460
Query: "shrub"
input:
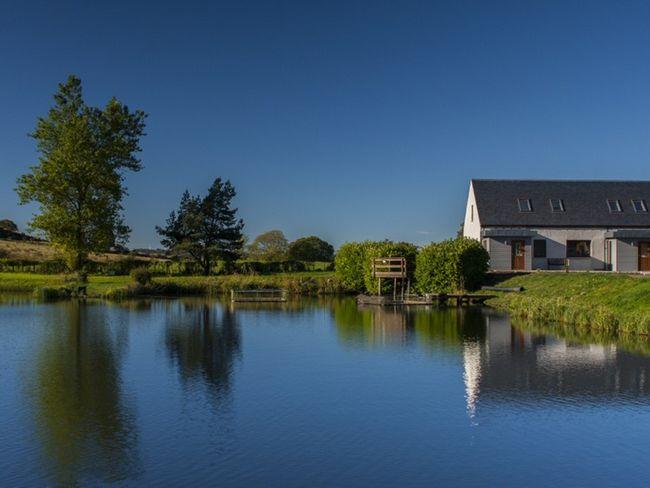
column 452, row 265
column 348, row 265
column 353, row 263
column 267, row 267
column 142, row 276
column 473, row 263
column 387, row 249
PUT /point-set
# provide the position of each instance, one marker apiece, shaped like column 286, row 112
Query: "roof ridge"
column 560, row 180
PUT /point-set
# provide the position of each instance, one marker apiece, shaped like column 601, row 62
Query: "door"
column 644, row 256
column 518, row 247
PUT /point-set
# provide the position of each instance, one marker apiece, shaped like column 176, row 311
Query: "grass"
column 304, row 283
column 590, row 301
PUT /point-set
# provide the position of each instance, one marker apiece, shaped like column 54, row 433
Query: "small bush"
column 142, row 276
column 268, row 267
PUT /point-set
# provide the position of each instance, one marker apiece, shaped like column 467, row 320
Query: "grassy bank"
column 590, row 301
column 307, row 283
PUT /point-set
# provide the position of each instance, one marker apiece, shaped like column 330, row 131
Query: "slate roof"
column 585, row 203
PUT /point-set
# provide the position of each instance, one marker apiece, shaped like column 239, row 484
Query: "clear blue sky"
column 348, row 120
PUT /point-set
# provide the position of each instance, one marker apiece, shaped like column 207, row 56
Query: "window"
column 578, row 249
column 471, row 213
column 539, row 248
column 557, row 205
column 614, row 206
column 639, row 206
column 524, row 205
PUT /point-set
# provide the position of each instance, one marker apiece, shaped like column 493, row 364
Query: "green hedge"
column 451, row 266
column 348, row 265
column 353, row 263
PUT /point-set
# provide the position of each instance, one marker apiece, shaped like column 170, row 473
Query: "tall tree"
column 311, row 249
column 269, row 246
column 207, row 228
column 79, row 180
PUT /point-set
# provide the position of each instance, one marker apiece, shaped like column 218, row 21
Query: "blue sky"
column 348, row 120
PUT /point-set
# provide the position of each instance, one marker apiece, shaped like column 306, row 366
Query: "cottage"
column 555, row 224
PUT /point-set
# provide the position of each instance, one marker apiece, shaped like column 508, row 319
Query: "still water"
column 315, row 393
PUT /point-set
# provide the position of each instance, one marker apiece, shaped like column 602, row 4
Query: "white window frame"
column 644, row 207
column 560, row 201
column 617, row 208
column 527, row 202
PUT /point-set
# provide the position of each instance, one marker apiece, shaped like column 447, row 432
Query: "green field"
column 311, row 283
column 594, row 301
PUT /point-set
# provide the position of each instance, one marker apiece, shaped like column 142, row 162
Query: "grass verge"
column 590, row 301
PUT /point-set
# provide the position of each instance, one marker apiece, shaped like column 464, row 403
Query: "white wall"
column 500, row 251
column 556, row 246
column 627, row 255
column 471, row 226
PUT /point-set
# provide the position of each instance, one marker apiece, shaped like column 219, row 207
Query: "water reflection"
column 203, row 340
column 502, row 360
column 515, row 362
column 86, row 429
column 428, row 326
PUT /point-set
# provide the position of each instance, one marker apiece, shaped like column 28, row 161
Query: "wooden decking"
column 459, row 299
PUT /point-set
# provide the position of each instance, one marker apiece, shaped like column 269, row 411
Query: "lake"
column 313, row 393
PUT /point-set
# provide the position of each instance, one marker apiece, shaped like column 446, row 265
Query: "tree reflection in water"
column 429, row 326
column 86, row 429
column 203, row 341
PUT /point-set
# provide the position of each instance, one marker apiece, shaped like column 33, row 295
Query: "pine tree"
column 206, row 229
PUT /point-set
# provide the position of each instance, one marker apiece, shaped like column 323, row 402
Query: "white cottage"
column 553, row 224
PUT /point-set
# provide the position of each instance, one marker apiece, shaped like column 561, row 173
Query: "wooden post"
column 379, row 288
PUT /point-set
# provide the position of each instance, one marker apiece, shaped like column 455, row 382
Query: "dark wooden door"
column 644, row 256
column 518, row 254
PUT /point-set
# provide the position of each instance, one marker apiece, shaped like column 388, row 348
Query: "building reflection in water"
column 203, row 340
column 505, row 361
column 85, row 427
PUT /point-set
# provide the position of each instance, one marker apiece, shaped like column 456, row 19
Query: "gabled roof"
column 585, row 203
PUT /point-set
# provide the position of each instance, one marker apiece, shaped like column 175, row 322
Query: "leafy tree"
column 206, row 229
column 311, row 249
column 78, row 182
column 269, row 246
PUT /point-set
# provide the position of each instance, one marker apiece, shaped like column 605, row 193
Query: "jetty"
column 458, row 299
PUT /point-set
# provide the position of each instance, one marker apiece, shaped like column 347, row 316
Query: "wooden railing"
column 389, row 268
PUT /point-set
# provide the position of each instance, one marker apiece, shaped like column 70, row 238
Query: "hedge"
column 353, row 263
column 451, row 266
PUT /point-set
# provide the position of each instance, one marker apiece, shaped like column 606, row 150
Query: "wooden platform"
column 459, row 300
column 262, row 295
